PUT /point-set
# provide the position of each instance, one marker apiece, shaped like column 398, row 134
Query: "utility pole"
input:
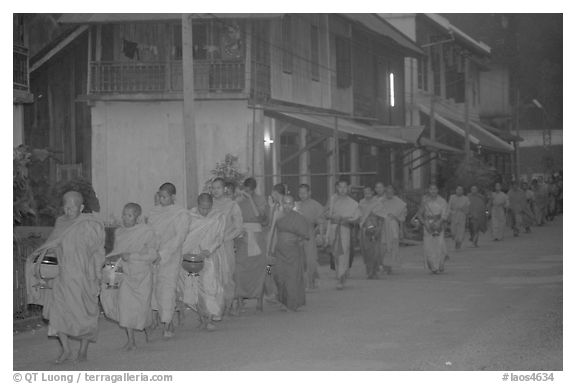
column 517, row 124
column 188, row 121
column 433, row 164
column 467, row 109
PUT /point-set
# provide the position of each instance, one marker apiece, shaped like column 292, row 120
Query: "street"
column 497, row 307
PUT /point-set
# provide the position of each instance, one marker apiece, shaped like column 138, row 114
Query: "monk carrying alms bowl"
column 192, row 263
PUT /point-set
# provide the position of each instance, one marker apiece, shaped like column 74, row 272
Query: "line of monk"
column 232, row 247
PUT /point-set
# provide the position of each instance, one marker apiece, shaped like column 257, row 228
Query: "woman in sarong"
column 233, row 229
column 432, row 214
column 135, row 249
column 292, row 230
column 458, row 206
column 477, row 214
column 497, row 207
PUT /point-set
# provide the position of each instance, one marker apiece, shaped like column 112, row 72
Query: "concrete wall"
column 534, row 138
column 137, row 146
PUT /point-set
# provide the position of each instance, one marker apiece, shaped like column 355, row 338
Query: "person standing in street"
column 342, row 212
column 517, row 201
column 477, row 214
column 393, row 211
column 433, row 214
column 313, row 211
column 459, row 206
column 497, row 207
column 370, row 232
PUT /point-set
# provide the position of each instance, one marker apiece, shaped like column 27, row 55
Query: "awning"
column 409, row 134
column 345, row 126
column 478, row 135
column 504, row 135
column 434, row 146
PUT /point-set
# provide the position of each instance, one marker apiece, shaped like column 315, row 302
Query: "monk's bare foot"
column 82, row 358
column 66, row 356
column 129, row 347
column 210, row 327
column 167, row 335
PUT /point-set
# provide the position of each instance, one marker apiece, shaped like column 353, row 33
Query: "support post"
column 467, row 109
column 304, row 158
column 190, row 164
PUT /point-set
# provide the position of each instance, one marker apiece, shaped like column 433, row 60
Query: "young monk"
column 205, row 293
column 292, row 230
column 393, row 212
column 251, row 248
column 230, row 209
column 135, row 249
column 342, row 212
column 72, row 308
column 368, row 235
column 170, row 224
column 313, row 212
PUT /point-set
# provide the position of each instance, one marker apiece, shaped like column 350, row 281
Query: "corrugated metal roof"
column 377, row 24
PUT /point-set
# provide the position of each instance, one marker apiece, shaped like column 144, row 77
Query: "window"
column 287, row 44
column 391, row 90
column 343, row 62
column 314, row 53
column 423, row 73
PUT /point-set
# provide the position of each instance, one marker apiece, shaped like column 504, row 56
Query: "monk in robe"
column 517, row 204
column 233, row 229
column 170, row 224
column 251, row 248
column 497, row 207
column 274, row 211
column 433, row 213
column 342, row 212
column 393, row 210
column 135, row 250
column 477, row 214
column 72, row 305
column 313, row 212
column 370, row 232
column 205, row 292
column 458, row 206
column 292, row 229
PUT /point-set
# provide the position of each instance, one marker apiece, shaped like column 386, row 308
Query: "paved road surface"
column 497, row 307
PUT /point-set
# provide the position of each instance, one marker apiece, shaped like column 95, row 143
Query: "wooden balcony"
column 165, row 77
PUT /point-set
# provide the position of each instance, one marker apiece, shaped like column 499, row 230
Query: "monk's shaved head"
column 288, row 199
column 135, row 208
column 168, row 187
column 205, row 198
column 75, row 196
column 73, row 204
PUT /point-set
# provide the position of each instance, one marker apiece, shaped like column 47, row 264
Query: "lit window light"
column 392, row 96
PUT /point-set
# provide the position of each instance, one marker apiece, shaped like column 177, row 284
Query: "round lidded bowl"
column 192, row 263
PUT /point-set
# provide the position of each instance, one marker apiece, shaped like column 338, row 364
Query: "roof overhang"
column 99, row 18
column 329, row 124
column 477, row 47
column 380, row 26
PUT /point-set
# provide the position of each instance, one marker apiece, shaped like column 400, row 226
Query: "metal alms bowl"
column 192, row 263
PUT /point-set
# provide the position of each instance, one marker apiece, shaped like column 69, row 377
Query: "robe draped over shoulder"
column 130, row 304
column 171, row 227
column 72, row 308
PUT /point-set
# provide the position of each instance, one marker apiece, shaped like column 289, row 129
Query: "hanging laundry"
column 130, row 49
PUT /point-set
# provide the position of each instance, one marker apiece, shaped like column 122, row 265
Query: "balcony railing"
column 20, row 67
column 164, row 77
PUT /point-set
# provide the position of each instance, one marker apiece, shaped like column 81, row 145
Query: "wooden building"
column 142, row 99
column 446, row 88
